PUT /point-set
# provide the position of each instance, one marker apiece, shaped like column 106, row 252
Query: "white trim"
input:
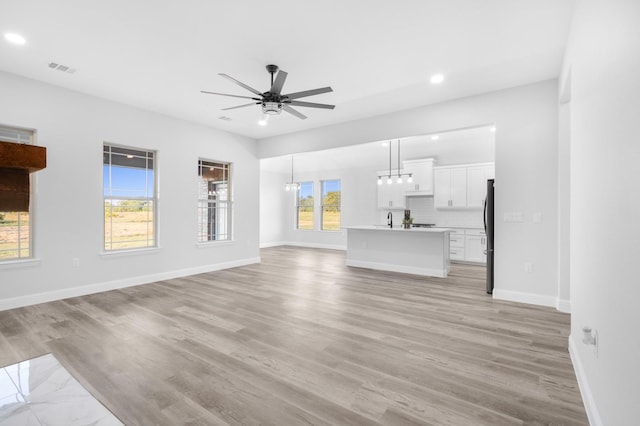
column 531, row 298
column 19, row 263
column 214, row 243
column 314, row 245
column 273, row 244
column 442, row 273
column 563, row 305
column 585, row 390
column 49, row 296
column 130, row 252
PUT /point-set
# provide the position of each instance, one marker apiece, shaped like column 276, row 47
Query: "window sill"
column 19, row 263
column 132, row 252
column 208, row 244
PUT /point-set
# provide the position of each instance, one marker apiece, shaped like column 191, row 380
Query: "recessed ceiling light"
column 436, row 79
column 15, row 38
column 385, row 144
column 262, row 122
column 435, row 137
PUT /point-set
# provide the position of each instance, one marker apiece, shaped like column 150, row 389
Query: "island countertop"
column 397, row 229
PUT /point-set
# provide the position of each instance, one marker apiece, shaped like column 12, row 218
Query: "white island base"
column 420, row 251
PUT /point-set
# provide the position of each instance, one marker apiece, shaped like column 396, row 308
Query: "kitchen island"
column 420, row 251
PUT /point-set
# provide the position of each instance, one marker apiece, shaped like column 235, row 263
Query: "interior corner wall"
column 604, row 58
column 526, row 149
column 68, row 216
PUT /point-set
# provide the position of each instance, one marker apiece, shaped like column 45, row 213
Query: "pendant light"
column 400, row 175
column 291, row 186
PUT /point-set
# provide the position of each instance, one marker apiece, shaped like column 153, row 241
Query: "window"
column 331, row 196
column 304, row 206
column 15, row 227
column 129, row 198
column 214, row 201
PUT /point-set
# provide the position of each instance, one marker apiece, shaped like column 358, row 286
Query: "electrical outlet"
column 75, row 262
column 528, row 267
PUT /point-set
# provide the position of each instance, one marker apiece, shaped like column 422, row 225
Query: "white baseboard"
column 273, row 244
column 49, row 296
column 563, row 305
column 397, row 268
column 304, row 244
column 531, row 298
column 585, row 390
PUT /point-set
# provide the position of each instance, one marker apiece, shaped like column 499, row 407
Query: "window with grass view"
column 304, row 206
column 214, row 201
column 129, row 198
column 331, row 195
column 15, row 227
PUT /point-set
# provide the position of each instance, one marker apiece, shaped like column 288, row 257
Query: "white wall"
column 526, row 172
column 68, row 220
column 604, row 64
column 358, row 204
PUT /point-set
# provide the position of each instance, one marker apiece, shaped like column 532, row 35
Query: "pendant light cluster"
column 399, row 175
column 291, row 186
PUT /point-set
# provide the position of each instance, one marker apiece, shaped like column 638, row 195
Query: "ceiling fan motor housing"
column 271, row 107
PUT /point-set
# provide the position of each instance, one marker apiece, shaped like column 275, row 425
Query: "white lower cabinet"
column 456, row 244
column 468, row 245
column 475, row 243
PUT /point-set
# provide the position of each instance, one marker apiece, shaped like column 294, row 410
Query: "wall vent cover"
column 62, row 68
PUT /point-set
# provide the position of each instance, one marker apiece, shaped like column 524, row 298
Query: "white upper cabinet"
column 392, row 196
column 463, row 186
column 450, row 187
column 422, row 174
column 477, row 184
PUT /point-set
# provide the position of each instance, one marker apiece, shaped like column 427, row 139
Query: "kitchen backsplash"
column 422, row 211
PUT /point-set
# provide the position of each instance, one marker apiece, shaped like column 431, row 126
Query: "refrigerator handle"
column 484, row 215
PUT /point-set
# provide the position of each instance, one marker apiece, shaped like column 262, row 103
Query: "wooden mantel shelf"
column 16, row 162
column 22, row 156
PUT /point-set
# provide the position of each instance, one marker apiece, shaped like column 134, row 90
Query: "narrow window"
column 304, row 206
column 214, row 201
column 331, row 195
column 130, row 200
column 15, row 227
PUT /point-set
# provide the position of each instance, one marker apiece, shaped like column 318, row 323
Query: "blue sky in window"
column 330, row 186
column 306, row 189
column 127, row 182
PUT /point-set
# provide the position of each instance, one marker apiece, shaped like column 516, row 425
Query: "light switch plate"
column 537, row 217
column 514, row 217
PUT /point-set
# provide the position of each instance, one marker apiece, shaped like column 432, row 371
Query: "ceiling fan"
column 272, row 101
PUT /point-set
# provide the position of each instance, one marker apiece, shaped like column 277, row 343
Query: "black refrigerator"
column 489, row 231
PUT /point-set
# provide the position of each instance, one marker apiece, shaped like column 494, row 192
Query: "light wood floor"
column 303, row 339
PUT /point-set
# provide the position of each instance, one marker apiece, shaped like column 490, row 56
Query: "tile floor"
column 40, row 391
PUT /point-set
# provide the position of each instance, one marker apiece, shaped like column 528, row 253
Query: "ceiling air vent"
column 62, row 68
column 224, row 118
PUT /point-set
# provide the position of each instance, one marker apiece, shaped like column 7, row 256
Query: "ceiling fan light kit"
column 272, row 101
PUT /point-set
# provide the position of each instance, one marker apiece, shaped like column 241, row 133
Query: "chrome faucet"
column 390, row 219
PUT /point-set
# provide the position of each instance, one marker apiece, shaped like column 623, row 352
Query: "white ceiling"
column 377, row 55
column 464, row 146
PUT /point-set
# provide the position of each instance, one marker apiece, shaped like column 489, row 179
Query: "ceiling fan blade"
column 305, row 93
column 311, row 105
column 293, row 111
column 241, row 106
column 225, row 94
column 239, row 83
column 277, row 85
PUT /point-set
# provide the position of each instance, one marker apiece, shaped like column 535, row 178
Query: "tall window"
column 15, row 227
column 214, row 201
column 129, row 198
column 331, row 195
column 304, row 206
